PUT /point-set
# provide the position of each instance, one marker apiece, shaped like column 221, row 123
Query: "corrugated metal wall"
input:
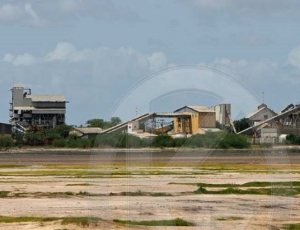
column 5, row 128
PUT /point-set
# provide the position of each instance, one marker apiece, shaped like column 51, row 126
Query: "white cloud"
column 249, row 8
column 69, row 6
column 10, row 13
column 37, row 13
column 294, row 57
column 157, row 61
column 100, row 76
column 64, row 51
column 34, row 20
column 20, row 60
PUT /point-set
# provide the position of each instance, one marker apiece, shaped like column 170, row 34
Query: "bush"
column 18, row 139
column 178, row 142
column 163, row 140
column 234, row 141
column 5, row 143
column 293, row 139
column 59, row 143
column 119, row 140
column 79, row 143
column 207, row 140
column 83, row 143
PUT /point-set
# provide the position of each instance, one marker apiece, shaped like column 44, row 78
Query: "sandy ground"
column 175, row 174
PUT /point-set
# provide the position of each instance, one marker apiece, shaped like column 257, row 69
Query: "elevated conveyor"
column 273, row 119
column 142, row 118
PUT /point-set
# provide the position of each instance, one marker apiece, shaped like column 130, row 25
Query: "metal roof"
column 197, row 108
column 24, row 108
column 18, row 85
column 258, row 110
column 47, row 98
column 201, row 108
column 89, row 130
column 255, row 112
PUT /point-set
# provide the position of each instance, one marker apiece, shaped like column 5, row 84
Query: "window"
column 265, row 117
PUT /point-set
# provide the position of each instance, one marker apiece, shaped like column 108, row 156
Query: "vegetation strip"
column 248, row 184
column 260, row 191
column 175, row 222
column 230, row 218
column 292, row 227
column 80, row 221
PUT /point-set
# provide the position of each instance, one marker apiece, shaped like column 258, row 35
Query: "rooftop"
column 89, row 130
column 47, row 98
column 197, row 108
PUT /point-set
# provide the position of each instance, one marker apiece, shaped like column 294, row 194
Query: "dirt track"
column 42, row 156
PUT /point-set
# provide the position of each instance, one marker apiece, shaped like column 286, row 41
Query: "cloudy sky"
column 109, row 57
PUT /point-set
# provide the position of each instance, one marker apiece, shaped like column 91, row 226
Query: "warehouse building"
column 200, row 120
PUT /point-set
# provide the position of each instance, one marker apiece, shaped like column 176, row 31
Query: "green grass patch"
column 4, row 194
column 230, row 218
column 175, row 222
column 259, row 184
column 156, row 194
column 269, row 184
column 6, row 219
column 12, row 166
column 84, row 193
column 254, row 191
column 292, row 227
column 81, row 221
column 83, row 184
column 136, row 193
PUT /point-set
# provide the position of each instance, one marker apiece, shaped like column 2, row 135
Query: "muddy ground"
column 147, row 185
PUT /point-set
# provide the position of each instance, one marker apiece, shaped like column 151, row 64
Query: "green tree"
column 241, row 124
column 115, row 121
column 95, row 123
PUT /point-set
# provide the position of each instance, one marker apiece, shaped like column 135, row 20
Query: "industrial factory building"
column 29, row 111
column 199, row 118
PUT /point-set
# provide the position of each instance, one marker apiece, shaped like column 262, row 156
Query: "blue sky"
column 97, row 53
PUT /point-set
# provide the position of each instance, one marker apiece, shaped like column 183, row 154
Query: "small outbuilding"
column 86, row 132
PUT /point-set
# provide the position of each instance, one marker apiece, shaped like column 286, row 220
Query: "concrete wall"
column 207, row 120
column 223, row 111
column 268, row 132
column 5, row 128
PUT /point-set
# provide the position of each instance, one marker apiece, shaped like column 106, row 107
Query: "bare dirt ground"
column 147, row 185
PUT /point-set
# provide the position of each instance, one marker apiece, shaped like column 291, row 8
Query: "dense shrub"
column 178, row 142
column 120, row 140
column 5, row 143
column 59, row 143
column 293, row 139
column 207, row 140
column 163, row 140
column 62, row 130
column 83, row 143
column 18, row 139
column 234, row 141
column 34, row 138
